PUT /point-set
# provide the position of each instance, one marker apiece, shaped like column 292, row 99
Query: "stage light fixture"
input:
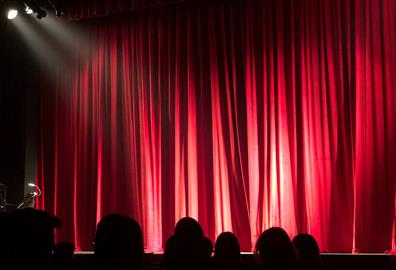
column 59, row 13
column 12, row 14
column 41, row 14
column 13, row 8
column 37, row 7
column 28, row 10
column 10, row 9
column 57, row 7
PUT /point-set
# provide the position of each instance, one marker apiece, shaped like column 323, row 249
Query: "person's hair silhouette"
column 187, row 247
column 227, row 252
column 30, row 235
column 3, row 228
column 309, row 252
column 188, row 228
column 275, row 250
column 118, row 243
column 63, row 256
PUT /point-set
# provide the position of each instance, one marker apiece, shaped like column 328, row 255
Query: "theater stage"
column 332, row 261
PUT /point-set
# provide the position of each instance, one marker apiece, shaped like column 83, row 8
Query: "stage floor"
column 332, row 261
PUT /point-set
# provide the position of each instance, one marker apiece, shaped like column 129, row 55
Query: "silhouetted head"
column 309, row 251
column 3, row 228
column 227, row 248
column 188, row 247
column 119, row 243
column 63, row 256
column 306, row 245
column 64, row 251
column 275, row 249
column 188, row 228
column 206, row 249
column 31, row 237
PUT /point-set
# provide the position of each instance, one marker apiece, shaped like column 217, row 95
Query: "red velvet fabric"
column 243, row 115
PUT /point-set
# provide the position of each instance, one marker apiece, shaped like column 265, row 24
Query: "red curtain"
column 243, row 115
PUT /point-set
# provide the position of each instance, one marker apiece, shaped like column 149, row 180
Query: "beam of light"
column 47, row 55
column 12, row 14
column 68, row 36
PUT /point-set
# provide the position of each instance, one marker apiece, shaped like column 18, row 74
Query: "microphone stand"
column 29, row 198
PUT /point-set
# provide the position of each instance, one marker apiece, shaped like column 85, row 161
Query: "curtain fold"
column 243, row 115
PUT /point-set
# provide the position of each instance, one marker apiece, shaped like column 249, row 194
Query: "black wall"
column 18, row 108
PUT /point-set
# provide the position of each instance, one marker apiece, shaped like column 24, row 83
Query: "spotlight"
column 59, row 13
column 13, row 8
column 12, row 14
column 37, row 7
column 41, row 14
column 28, row 10
column 57, row 7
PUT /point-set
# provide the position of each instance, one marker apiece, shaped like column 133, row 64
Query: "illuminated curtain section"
column 375, row 128
column 243, row 115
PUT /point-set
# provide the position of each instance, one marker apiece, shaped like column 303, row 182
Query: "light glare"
column 29, row 10
column 12, row 13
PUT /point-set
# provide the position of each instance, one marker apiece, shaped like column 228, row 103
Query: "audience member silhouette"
column 308, row 250
column 63, row 256
column 227, row 252
column 30, row 239
column 187, row 247
column 205, row 252
column 3, row 242
column 187, row 228
column 275, row 250
column 118, row 243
